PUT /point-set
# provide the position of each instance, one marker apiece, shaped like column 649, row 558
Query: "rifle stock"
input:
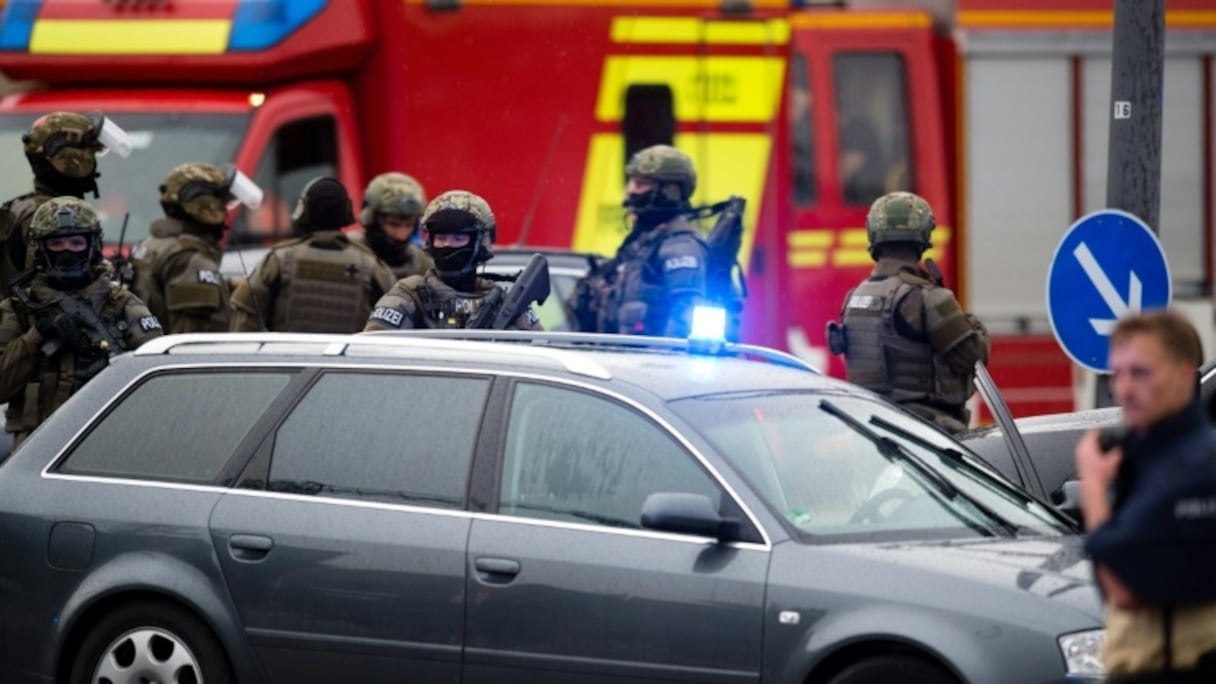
column 935, row 273
column 532, row 285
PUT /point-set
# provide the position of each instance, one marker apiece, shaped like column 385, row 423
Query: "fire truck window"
column 649, row 117
column 874, row 153
column 300, row 151
column 802, row 148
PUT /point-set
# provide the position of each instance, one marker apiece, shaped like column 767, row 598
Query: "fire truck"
column 994, row 110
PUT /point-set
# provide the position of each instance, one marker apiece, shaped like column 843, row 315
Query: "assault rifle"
column 94, row 331
column 531, row 285
column 124, row 270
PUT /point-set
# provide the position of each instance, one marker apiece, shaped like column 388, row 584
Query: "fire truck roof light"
column 17, row 23
column 260, row 24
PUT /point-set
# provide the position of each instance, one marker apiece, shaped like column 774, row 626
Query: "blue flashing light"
column 261, row 24
column 708, row 324
column 17, row 23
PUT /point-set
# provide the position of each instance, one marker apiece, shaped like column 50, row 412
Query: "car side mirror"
column 686, row 514
column 1068, row 499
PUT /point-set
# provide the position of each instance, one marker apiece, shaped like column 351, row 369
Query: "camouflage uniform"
column 318, row 282
column 399, row 196
column 177, row 268
column 60, row 328
column 904, row 335
column 660, row 272
column 450, row 294
column 62, row 152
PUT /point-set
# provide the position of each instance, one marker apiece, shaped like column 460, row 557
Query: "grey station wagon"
column 518, row 508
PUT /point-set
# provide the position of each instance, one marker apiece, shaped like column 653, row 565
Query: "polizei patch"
column 147, row 323
column 210, row 277
column 391, row 316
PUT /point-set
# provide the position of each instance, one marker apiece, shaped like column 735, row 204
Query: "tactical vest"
column 442, row 306
column 637, row 301
column 879, row 358
column 151, row 258
column 323, row 289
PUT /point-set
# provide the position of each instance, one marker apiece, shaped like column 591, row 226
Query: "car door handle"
column 496, row 570
column 249, row 547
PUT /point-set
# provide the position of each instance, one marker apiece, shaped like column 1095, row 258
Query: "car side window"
column 381, row 436
column 576, row 457
column 180, row 427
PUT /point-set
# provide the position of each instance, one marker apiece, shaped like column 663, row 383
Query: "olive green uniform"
column 909, row 340
column 416, row 262
column 177, row 272
column 34, row 384
column 15, row 218
column 428, row 302
column 319, row 283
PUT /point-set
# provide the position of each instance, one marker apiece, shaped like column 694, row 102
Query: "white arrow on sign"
column 1110, row 295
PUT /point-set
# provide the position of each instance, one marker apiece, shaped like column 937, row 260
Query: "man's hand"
column 1096, row 469
column 63, row 328
column 1096, row 465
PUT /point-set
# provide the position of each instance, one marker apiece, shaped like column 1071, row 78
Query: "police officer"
column 392, row 204
column 61, row 149
column 318, row 281
column 65, row 317
column 903, row 334
column 459, row 229
column 177, row 267
column 660, row 268
column 1154, row 544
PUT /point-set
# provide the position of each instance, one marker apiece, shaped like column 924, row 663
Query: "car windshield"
column 160, row 140
column 841, row 467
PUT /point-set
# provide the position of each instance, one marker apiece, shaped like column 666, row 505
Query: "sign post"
column 1133, row 171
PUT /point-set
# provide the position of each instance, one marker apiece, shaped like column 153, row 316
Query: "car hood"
column 1000, row 573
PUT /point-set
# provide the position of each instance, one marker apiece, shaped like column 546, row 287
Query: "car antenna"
column 526, row 228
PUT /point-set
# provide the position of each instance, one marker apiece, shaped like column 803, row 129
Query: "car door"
column 344, row 544
column 564, row 585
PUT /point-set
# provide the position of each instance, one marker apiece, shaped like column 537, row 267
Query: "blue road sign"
column 1109, row 264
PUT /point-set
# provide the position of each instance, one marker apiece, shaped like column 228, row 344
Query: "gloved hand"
column 63, row 329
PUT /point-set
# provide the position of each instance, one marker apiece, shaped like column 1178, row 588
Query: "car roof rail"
column 609, row 342
column 343, row 345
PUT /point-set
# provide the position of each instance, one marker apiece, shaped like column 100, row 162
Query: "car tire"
column 155, row 641
column 887, row 669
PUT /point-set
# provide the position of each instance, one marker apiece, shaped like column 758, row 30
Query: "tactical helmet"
column 900, row 217
column 197, row 192
column 459, row 211
column 670, row 169
column 392, row 194
column 323, row 205
column 62, row 217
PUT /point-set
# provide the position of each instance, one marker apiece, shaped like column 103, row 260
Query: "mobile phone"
column 1112, row 437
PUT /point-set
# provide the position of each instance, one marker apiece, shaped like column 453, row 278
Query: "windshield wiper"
column 916, row 439
column 892, row 450
column 951, row 453
column 895, row 452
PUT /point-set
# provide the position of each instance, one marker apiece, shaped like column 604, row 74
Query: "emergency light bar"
column 708, row 325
